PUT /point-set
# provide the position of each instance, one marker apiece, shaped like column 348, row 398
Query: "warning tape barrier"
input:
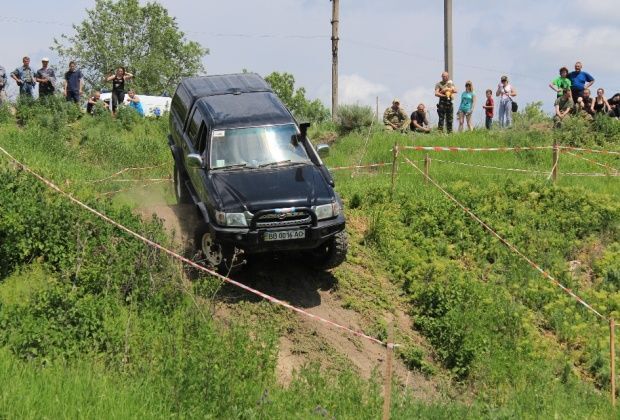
column 508, row 244
column 505, row 149
column 475, row 149
column 374, row 165
column 602, row 165
column 580, row 149
column 190, row 262
column 122, row 171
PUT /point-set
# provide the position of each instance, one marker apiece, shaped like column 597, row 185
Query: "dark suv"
column 259, row 184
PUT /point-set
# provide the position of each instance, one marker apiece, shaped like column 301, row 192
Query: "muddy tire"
column 214, row 255
column 180, row 189
column 332, row 253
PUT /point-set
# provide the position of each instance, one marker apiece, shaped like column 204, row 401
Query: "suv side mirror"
column 194, row 160
column 323, row 150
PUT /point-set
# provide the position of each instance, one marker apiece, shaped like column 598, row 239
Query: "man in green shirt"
column 395, row 118
column 562, row 83
column 563, row 107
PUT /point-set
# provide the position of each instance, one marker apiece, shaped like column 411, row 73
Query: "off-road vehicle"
column 256, row 179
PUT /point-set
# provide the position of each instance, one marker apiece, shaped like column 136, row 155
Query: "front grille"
column 274, row 220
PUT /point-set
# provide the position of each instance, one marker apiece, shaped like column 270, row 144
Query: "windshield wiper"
column 277, row 163
column 233, row 166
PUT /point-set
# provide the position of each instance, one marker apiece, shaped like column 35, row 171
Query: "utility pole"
column 447, row 32
column 335, row 21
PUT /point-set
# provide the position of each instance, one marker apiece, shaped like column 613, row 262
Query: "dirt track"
column 290, row 280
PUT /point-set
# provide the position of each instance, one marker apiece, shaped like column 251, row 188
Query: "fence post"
column 612, row 359
column 387, row 387
column 427, row 167
column 556, row 160
column 394, row 164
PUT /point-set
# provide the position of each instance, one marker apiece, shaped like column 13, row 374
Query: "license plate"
column 285, row 235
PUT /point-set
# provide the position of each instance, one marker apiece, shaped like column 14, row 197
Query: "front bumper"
column 252, row 240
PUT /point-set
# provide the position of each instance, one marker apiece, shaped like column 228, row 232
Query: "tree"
column 143, row 39
column 283, row 84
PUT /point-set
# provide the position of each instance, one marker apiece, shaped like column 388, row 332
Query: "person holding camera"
column 505, row 92
column 24, row 76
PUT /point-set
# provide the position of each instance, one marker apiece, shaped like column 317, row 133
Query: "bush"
column 354, row 117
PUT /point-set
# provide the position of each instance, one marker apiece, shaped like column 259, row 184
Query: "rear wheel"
column 332, row 253
column 180, row 189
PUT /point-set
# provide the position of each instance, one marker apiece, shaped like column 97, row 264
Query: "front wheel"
column 332, row 253
column 217, row 256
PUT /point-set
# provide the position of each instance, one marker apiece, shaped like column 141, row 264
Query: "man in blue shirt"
column 74, row 86
column 24, row 76
column 580, row 80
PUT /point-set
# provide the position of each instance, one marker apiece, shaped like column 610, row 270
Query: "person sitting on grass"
column 600, row 104
column 419, row 121
column 563, row 107
column 134, row 102
column 614, row 106
column 394, row 117
column 95, row 102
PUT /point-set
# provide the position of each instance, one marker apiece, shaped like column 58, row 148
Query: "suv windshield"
column 256, row 147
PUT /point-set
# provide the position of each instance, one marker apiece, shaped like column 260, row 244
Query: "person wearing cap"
column 3, row 79
column 444, row 90
column 24, row 76
column 394, row 117
column 46, row 78
column 505, row 92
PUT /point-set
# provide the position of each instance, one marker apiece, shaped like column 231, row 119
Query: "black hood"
column 260, row 189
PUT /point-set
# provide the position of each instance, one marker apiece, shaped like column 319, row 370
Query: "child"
column 489, row 106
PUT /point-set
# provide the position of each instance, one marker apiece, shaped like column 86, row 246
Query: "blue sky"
column 392, row 48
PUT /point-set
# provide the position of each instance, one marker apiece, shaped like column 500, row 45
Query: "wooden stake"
column 556, row 159
column 427, row 167
column 612, row 359
column 387, row 388
column 395, row 155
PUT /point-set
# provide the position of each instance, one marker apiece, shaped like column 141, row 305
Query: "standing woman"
column 118, row 86
column 505, row 91
column 468, row 102
column 600, row 104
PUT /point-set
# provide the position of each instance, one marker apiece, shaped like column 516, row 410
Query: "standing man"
column 74, row 85
column 394, row 118
column 46, row 78
column 3, row 97
column 444, row 90
column 24, row 76
column 580, row 80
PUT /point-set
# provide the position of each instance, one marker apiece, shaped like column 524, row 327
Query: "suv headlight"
column 326, row 211
column 231, row 219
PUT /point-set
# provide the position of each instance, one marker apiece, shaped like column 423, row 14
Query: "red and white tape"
column 190, row 262
column 508, row 244
column 475, row 149
column 581, row 149
column 122, row 171
column 373, row 165
column 602, row 165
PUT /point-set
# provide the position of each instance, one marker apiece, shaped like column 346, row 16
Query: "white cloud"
column 604, row 9
column 355, row 89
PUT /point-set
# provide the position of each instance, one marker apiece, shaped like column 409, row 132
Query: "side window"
column 192, row 129
column 201, row 140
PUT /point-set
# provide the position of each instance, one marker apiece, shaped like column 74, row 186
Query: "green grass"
column 93, row 324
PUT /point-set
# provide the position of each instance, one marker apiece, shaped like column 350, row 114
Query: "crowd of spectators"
column 573, row 99
column 27, row 79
